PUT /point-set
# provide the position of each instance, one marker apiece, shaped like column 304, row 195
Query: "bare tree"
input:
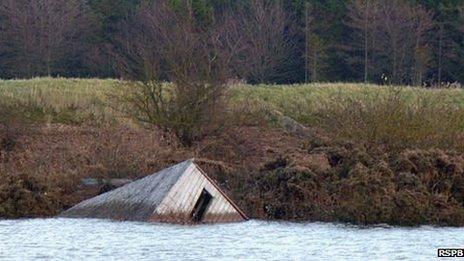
column 447, row 40
column 37, row 34
column 270, row 41
column 315, row 48
column 362, row 18
column 168, row 43
column 422, row 27
column 402, row 30
column 393, row 39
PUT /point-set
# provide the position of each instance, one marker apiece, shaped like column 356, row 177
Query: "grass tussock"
column 26, row 195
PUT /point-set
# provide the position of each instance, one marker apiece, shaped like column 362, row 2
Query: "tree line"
column 417, row 42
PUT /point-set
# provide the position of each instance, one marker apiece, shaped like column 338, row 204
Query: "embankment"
column 271, row 174
column 362, row 154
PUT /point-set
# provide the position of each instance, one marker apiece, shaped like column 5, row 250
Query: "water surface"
column 80, row 239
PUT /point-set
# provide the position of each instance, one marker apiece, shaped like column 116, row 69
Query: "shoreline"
column 328, row 183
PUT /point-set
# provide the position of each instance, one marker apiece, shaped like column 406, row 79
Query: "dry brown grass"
column 270, row 174
column 411, row 188
column 61, row 155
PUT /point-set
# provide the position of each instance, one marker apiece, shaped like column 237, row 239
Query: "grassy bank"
column 376, row 154
column 302, row 102
column 59, row 100
column 397, row 117
column 298, row 101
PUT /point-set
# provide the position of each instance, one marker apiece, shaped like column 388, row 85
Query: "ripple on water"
column 77, row 239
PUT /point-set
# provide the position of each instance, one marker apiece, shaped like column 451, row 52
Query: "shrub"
column 190, row 111
column 196, row 59
column 24, row 195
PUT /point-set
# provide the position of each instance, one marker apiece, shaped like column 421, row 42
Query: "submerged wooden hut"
column 181, row 193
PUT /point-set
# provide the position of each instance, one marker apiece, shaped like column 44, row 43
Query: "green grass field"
column 379, row 114
column 301, row 101
column 90, row 96
column 58, row 99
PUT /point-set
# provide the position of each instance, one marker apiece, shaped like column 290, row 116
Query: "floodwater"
column 80, row 239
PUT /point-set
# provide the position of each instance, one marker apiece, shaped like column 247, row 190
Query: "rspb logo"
column 451, row 252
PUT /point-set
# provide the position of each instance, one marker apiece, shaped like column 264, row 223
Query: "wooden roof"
column 138, row 200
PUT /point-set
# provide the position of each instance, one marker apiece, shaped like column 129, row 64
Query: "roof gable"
column 172, row 192
column 135, row 201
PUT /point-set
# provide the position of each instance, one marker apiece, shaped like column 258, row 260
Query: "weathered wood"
column 169, row 193
column 185, row 193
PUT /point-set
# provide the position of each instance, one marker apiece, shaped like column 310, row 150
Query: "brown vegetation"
column 347, row 183
column 271, row 174
column 58, row 156
column 387, row 157
column 379, row 156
